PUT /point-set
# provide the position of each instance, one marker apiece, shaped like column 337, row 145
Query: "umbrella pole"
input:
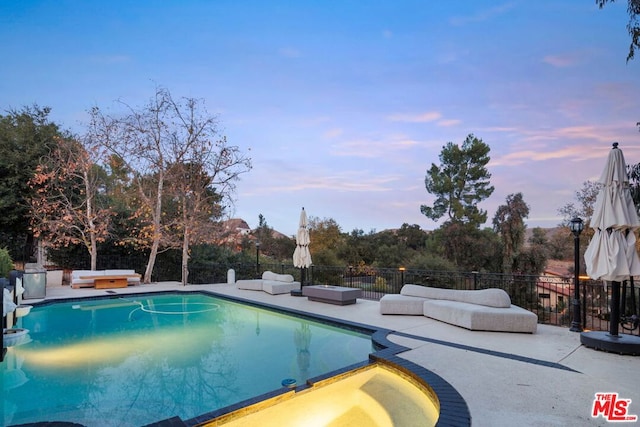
column 298, row 293
column 633, row 296
column 614, row 317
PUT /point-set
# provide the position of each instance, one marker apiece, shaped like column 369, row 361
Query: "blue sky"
column 344, row 105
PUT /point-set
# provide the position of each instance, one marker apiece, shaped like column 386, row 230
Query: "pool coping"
column 454, row 410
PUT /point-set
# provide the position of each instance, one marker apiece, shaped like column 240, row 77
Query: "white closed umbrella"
column 611, row 255
column 301, row 255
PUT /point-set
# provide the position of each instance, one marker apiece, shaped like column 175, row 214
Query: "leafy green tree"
column 390, row 256
column 460, row 182
column 326, row 241
column 282, row 248
column 508, row 222
column 560, row 245
column 272, row 244
column 470, row 248
column 359, row 248
column 263, row 234
column 412, row 236
column 26, row 137
column 6, row 264
column 429, row 261
column 532, row 259
column 633, row 26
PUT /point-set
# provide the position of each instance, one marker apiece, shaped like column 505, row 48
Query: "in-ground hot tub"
column 375, row 395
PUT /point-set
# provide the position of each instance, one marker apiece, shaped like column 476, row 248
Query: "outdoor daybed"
column 477, row 310
column 271, row 283
column 101, row 279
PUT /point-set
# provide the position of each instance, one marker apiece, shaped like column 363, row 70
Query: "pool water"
column 144, row 358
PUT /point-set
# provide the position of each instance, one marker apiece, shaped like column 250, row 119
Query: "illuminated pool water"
column 375, row 396
column 144, row 358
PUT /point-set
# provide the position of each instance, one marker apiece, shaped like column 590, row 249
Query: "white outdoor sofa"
column 477, row 310
column 101, row 279
column 271, row 283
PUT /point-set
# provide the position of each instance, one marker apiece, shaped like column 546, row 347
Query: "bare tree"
column 164, row 141
column 586, row 198
column 65, row 208
column 200, row 187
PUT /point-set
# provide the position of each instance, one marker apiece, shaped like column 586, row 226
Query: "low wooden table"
column 337, row 295
column 107, row 282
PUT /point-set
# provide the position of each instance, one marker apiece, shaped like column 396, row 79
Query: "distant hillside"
column 236, row 229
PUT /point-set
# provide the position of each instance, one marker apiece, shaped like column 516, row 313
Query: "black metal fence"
column 550, row 298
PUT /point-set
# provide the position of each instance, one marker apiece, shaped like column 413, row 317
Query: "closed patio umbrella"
column 301, row 255
column 611, row 255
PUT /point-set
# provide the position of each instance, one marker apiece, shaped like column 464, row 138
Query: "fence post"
column 402, row 269
column 584, row 307
column 475, row 280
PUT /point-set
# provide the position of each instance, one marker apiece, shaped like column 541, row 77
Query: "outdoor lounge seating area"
column 477, row 310
column 104, row 279
column 271, row 283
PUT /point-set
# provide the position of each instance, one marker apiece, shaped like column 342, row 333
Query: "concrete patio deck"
column 542, row 379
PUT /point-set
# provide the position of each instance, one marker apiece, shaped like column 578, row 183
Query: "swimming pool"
column 138, row 359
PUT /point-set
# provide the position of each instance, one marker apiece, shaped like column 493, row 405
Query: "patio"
column 547, row 378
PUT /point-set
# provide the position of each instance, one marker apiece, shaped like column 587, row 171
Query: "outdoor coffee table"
column 337, row 295
column 107, row 282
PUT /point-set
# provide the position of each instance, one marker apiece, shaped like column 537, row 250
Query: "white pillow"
column 269, row 275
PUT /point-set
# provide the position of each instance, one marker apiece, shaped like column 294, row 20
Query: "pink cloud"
column 416, row 118
column 561, row 61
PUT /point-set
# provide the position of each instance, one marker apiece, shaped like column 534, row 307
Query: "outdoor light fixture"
column 576, row 225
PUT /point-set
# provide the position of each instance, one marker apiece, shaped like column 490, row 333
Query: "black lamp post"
column 576, row 225
column 258, row 257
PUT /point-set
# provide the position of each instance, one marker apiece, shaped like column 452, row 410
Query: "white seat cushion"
column 250, row 284
column 401, row 304
column 276, row 288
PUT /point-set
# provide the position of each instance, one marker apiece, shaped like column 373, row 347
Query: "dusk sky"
column 344, row 105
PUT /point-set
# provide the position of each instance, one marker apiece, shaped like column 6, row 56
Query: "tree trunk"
column 157, row 226
column 93, row 241
column 185, row 244
column 185, row 259
column 152, row 261
column 93, row 251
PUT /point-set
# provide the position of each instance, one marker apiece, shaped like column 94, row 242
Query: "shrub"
column 380, row 285
column 6, row 264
